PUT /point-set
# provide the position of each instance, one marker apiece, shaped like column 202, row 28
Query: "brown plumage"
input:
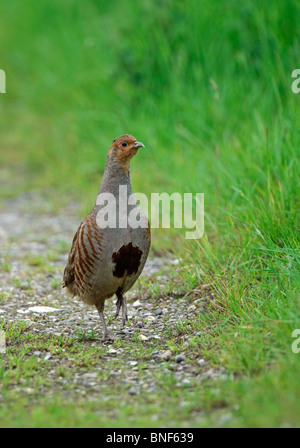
column 104, row 261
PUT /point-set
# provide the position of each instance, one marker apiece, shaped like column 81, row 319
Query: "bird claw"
column 108, row 337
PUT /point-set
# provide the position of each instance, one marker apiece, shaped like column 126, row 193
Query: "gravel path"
column 34, row 244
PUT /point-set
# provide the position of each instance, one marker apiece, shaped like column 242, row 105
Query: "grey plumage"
column 107, row 261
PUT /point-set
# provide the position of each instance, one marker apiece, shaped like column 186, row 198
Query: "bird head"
column 123, row 149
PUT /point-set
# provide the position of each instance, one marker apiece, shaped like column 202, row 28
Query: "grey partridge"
column 107, row 259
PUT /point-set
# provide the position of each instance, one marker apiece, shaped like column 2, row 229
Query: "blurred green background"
column 206, row 86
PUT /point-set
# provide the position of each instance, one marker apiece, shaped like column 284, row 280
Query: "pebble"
column 133, row 391
column 141, row 337
column 179, row 358
column 165, row 356
column 214, row 373
column 192, row 308
column 136, row 304
column 112, row 351
column 89, row 376
column 42, row 309
column 132, row 363
column 28, row 390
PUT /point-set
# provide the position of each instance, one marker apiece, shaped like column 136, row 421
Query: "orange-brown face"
column 124, row 148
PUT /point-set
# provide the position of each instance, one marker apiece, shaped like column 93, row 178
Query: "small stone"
column 112, row 351
column 28, row 390
column 136, row 304
column 133, row 363
column 213, row 373
column 141, row 337
column 133, row 391
column 179, row 358
column 42, row 309
column 165, row 356
column 139, row 324
column 89, row 376
column 22, row 311
column 201, row 362
column 192, row 308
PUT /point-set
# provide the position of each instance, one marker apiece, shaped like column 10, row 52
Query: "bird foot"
column 108, row 337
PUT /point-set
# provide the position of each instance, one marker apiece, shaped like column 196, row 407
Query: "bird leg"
column 121, row 302
column 124, row 312
column 106, row 335
column 118, row 305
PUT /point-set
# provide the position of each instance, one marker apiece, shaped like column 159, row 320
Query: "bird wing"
column 69, row 271
column 84, row 255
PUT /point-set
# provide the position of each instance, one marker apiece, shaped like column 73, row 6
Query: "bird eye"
column 124, row 144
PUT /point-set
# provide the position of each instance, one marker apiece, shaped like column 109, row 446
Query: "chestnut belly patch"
column 127, row 259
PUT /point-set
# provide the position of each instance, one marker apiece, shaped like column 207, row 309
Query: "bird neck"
column 114, row 176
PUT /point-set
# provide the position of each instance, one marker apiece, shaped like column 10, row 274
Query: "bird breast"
column 108, row 259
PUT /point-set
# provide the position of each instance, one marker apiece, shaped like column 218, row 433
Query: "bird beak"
column 139, row 145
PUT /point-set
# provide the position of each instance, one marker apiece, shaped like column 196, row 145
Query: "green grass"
column 207, row 87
